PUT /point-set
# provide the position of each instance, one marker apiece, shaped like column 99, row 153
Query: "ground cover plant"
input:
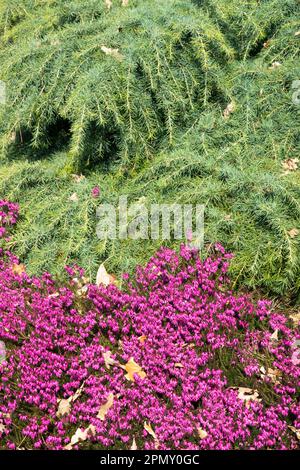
column 167, row 101
column 173, row 360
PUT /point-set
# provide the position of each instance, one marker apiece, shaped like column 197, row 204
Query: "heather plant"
column 172, row 360
column 216, row 125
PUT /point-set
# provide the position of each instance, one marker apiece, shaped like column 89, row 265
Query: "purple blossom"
column 197, row 342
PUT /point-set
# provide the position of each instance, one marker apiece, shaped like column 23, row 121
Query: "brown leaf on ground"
column 108, row 4
column 274, row 336
column 179, row 365
column 64, row 405
column 133, row 445
column 18, row 268
column 73, row 197
column 290, row 164
column 80, row 436
column 103, row 277
column 78, row 178
column 273, row 374
column 275, row 65
column 293, row 232
column 142, row 339
column 133, row 368
column 296, row 431
column 150, row 431
column 202, row 434
column 112, row 52
column 106, row 407
column 247, row 394
column 108, row 360
column 228, row 110
column 295, row 317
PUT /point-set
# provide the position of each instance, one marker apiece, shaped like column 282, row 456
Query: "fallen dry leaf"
column 108, row 4
column 267, row 44
column 295, row 318
column 293, row 232
column 296, row 431
column 73, row 197
column 106, row 407
column 78, row 178
column 2, row 352
column 103, row 277
column 142, row 339
column 125, row 3
column 275, row 65
column 273, row 374
column 247, row 394
column 290, row 164
column 133, row 368
column 133, row 445
column 77, row 437
column 2, row 428
column 150, row 431
column 64, row 405
column 297, row 33
column 274, row 336
column 202, row 434
column 108, row 360
column 179, row 365
column 112, row 52
column 18, row 268
column 228, row 110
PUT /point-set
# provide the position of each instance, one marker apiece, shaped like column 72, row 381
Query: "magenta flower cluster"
column 212, row 370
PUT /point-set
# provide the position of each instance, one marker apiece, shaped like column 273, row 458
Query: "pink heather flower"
column 188, row 333
column 95, row 192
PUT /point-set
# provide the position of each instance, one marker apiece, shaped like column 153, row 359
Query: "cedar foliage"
column 148, row 122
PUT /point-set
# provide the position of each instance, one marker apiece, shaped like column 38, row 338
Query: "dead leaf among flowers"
column 18, row 268
column 202, row 433
column 80, row 436
column 295, row 431
column 108, row 360
column 64, row 405
column 142, row 339
column 125, row 3
column 150, row 431
column 273, row 374
column 293, row 232
column 228, row 110
column 274, row 336
column 103, row 277
column 2, row 428
column 133, row 368
column 133, row 445
column 295, row 318
column 112, row 52
column 179, row 365
column 247, row 394
column 290, row 164
column 104, row 409
column 297, row 33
